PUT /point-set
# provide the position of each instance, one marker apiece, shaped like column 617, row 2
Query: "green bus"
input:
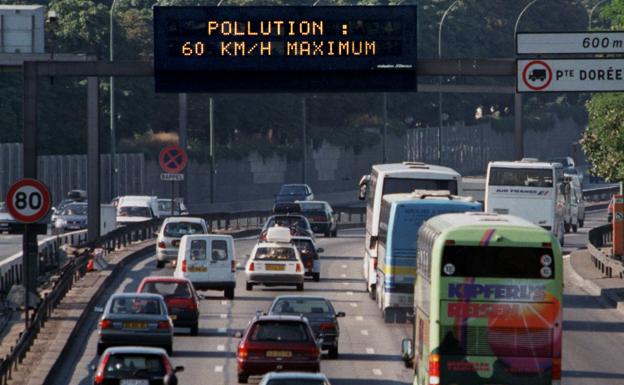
column 487, row 302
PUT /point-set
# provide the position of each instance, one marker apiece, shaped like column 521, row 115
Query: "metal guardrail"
column 69, row 274
column 600, row 193
column 602, row 236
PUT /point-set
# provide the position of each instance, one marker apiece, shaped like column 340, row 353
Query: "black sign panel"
column 280, row 48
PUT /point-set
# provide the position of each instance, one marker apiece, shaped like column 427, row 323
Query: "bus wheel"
column 373, row 292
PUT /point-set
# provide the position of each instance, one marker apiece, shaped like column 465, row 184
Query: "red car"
column 181, row 299
column 277, row 343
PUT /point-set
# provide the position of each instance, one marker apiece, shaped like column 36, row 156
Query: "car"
column 132, row 317
column 270, row 343
column 297, row 223
column 294, row 192
column 170, row 233
column 164, row 208
column 319, row 312
column 309, row 256
column 7, row 222
column 135, row 365
column 276, row 262
column 208, row 261
column 321, row 217
column 566, row 161
column 294, row 378
column 180, row 297
column 72, row 217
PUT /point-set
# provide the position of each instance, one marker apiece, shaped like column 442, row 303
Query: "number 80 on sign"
column 28, row 200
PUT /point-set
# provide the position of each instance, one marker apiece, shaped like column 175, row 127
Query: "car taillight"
column 252, row 267
column 233, row 266
column 242, row 351
column 263, row 236
column 374, row 263
column 556, row 369
column 105, row 324
column 99, row 374
column 161, row 245
column 298, row 268
column 434, row 369
column 167, row 365
column 184, row 265
column 164, row 325
column 328, row 327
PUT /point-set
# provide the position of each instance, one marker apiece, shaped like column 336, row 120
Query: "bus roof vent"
column 415, row 165
column 529, row 160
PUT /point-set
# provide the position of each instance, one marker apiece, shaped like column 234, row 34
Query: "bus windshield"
column 401, row 185
column 527, row 177
column 498, row 262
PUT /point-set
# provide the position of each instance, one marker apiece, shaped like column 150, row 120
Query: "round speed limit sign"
column 28, row 200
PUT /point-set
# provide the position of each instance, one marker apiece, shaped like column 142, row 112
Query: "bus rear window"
column 498, row 262
column 526, row 177
column 400, row 185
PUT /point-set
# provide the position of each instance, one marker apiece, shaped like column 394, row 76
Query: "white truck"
column 136, row 208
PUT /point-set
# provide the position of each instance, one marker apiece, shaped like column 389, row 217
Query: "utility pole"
column 212, row 152
column 304, row 140
column 384, row 144
column 183, row 138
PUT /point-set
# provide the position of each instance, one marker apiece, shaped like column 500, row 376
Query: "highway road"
column 369, row 349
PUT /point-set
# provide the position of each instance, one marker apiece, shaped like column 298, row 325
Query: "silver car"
column 294, row 378
column 72, row 217
column 130, row 318
column 170, row 233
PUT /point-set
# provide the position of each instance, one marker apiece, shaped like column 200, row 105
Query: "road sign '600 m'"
column 28, row 200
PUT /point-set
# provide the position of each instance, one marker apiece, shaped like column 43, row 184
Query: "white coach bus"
column 392, row 179
column 528, row 189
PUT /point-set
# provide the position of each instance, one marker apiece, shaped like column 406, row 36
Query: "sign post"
column 173, row 161
column 28, row 201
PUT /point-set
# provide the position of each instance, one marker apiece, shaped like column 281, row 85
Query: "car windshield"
column 295, row 381
column 288, row 221
column 168, row 289
column 301, row 306
column 292, row 190
column 75, row 210
column 125, row 305
column 279, row 331
column 122, row 364
column 134, row 211
column 275, row 253
column 179, row 229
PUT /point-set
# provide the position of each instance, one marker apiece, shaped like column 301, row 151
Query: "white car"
column 276, row 262
column 170, row 233
column 310, row 257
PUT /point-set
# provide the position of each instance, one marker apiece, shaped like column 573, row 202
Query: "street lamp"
column 446, row 12
column 591, row 13
column 526, row 8
column 113, row 133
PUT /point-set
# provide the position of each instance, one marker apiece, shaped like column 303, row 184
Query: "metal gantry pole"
column 113, row 128
column 384, row 146
column 212, row 152
column 304, row 140
column 93, row 158
column 183, row 138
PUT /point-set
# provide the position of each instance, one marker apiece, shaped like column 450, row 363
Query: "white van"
column 208, row 261
column 136, row 208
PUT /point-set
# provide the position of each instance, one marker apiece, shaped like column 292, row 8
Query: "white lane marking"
column 359, row 318
column 346, row 283
column 224, row 302
column 349, row 293
column 377, row 372
column 222, row 330
column 353, row 304
column 370, row 351
column 343, row 266
column 364, row 332
column 343, row 276
column 567, row 256
column 220, row 348
column 219, row 369
column 223, row 316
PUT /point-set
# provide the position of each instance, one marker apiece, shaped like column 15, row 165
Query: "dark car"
column 321, row 217
column 320, row 315
column 294, row 192
column 7, row 222
column 277, row 343
column 72, row 217
column 134, row 365
column 298, row 225
column 309, row 256
column 181, row 299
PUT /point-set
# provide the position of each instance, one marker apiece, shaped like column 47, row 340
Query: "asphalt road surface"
column 593, row 344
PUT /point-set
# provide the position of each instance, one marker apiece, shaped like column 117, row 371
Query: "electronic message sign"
column 283, row 48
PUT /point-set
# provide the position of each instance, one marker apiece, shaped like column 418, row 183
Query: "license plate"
column 198, row 269
column 273, row 267
column 135, row 325
column 134, row 382
column 279, row 353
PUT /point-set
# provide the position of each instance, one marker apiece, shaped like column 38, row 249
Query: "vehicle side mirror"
column 98, row 309
column 178, row 369
column 92, row 367
column 319, row 342
column 407, row 352
column 155, row 233
column 170, row 379
column 320, row 250
column 201, row 297
column 362, row 192
column 340, row 314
